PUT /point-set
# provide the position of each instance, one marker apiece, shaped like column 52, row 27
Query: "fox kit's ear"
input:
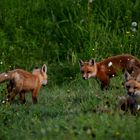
column 138, row 78
column 127, row 76
column 81, row 62
column 44, row 68
column 91, row 62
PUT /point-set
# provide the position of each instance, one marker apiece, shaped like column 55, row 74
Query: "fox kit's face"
column 42, row 74
column 88, row 69
column 132, row 86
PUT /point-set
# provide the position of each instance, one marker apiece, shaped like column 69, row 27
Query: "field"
column 59, row 34
column 79, row 110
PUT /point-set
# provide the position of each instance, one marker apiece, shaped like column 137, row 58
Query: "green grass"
column 68, row 112
column 59, row 33
column 33, row 32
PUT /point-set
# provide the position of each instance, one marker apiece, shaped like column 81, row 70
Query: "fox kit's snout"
column 88, row 69
column 131, row 87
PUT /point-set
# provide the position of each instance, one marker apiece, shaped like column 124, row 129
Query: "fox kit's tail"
column 4, row 77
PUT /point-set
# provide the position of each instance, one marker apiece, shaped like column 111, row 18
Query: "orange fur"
column 108, row 68
column 132, row 85
column 21, row 81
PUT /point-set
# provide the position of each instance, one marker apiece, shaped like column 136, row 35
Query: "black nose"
column 130, row 93
column 84, row 78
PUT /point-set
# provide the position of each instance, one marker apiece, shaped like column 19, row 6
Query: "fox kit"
column 132, row 85
column 107, row 68
column 21, row 81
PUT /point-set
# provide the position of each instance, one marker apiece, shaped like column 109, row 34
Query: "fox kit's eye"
column 127, row 86
column 82, row 72
column 135, row 87
column 88, row 71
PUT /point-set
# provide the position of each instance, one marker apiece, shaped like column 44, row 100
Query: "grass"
column 32, row 33
column 68, row 112
column 59, row 33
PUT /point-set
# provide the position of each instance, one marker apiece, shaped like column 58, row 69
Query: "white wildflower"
column 134, row 24
column 90, row 1
column 3, row 102
column 127, row 32
column 133, row 29
column 82, row 21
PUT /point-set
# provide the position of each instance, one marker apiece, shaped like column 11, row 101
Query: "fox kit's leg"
column 105, row 80
column 10, row 90
column 10, row 86
column 11, row 96
column 34, row 96
column 104, row 84
column 22, row 97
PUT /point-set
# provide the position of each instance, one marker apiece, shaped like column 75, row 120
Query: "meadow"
column 59, row 33
column 73, row 111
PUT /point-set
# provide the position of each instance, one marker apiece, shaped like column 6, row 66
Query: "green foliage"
column 59, row 33
column 78, row 110
column 56, row 32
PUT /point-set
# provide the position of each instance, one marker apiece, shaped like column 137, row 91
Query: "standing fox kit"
column 107, row 68
column 21, row 81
